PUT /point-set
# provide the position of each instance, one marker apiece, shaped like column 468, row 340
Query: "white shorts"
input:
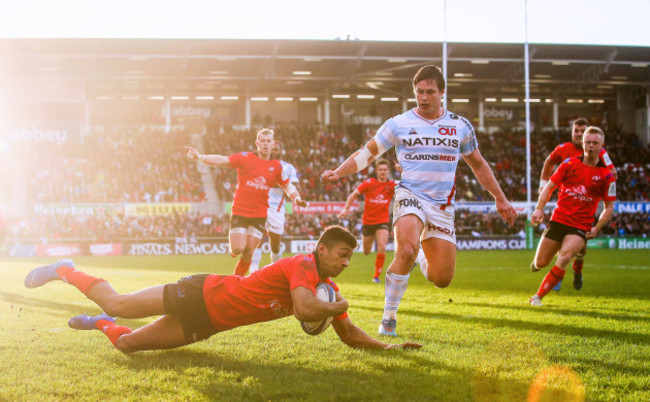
column 438, row 223
column 275, row 221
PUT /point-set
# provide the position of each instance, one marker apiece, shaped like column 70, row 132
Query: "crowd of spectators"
column 314, row 149
column 114, row 164
column 145, row 164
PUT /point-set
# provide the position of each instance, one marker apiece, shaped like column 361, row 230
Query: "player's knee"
column 409, row 253
column 440, row 283
column 126, row 344
column 440, row 279
column 541, row 262
column 117, row 307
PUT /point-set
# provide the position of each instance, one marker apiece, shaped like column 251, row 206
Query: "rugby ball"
column 326, row 293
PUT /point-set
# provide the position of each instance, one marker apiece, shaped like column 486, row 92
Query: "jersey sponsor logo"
column 413, row 132
column 436, row 228
column 410, row 202
column 596, row 178
column 430, row 157
column 579, row 193
column 378, row 200
column 258, row 183
column 271, row 169
column 430, row 141
column 447, row 130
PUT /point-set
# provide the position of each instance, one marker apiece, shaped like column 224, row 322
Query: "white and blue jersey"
column 276, row 194
column 428, row 151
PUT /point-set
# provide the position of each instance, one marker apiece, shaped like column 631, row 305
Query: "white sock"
column 420, row 256
column 255, row 263
column 394, row 290
column 275, row 257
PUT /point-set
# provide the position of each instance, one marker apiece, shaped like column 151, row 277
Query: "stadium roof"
column 318, row 68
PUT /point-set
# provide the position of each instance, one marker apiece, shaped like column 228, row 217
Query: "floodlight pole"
column 444, row 52
column 529, row 204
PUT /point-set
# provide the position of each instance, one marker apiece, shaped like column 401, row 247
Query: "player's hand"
column 343, row 212
column 342, row 303
column 398, row 167
column 407, row 345
column 592, row 233
column 301, row 203
column 192, row 153
column 537, row 217
column 329, row 176
column 507, row 211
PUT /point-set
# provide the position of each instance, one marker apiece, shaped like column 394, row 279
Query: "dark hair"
column 430, row 73
column 581, row 121
column 335, row 234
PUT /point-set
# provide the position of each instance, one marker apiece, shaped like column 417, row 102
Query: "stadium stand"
column 129, row 163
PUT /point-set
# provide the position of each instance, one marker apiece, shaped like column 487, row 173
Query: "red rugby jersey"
column 377, row 200
column 255, row 177
column 581, row 189
column 570, row 150
column 233, row 301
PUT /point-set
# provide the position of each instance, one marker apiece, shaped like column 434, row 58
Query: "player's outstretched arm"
column 291, row 191
column 213, row 160
column 355, row 337
column 307, row 307
column 349, row 202
column 485, row 176
column 356, row 162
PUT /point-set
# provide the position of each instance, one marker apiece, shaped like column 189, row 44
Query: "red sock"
column 112, row 330
column 379, row 264
column 81, row 280
column 242, row 267
column 551, row 279
column 577, row 266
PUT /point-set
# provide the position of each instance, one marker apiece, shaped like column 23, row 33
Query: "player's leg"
column 407, row 243
column 276, row 246
column 381, row 235
column 578, row 262
column 144, row 303
column 546, row 250
column 368, row 241
column 257, row 258
column 275, row 224
column 164, row 333
column 253, row 237
column 439, row 246
column 571, row 245
column 237, row 241
column 440, row 261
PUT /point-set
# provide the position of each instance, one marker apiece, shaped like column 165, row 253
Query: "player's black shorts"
column 184, row 299
column 369, row 230
column 556, row 231
column 238, row 221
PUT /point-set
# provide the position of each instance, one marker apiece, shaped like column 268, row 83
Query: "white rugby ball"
column 325, row 292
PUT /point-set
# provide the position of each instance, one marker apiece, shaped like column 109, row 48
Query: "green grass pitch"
column 482, row 341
